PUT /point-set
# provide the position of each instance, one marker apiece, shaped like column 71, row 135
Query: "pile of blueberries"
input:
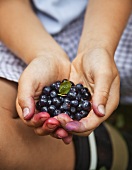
column 75, row 103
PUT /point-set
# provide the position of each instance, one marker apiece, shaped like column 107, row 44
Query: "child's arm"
column 94, row 64
column 23, row 33
column 104, row 23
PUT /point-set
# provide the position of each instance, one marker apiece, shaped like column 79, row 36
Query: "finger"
column 38, row 119
column 68, row 139
column 25, row 98
column 83, row 127
column 61, row 133
column 49, row 126
column 102, row 87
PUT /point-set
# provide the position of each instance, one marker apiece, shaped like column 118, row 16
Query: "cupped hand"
column 42, row 71
column 96, row 70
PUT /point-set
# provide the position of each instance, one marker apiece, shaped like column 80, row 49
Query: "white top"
column 56, row 14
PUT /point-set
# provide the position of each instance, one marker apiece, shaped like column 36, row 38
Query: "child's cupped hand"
column 41, row 71
column 96, row 70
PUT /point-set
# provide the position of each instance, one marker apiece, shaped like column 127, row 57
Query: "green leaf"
column 65, row 87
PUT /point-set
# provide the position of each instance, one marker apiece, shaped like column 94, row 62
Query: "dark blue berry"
column 78, row 97
column 83, row 113
column 38, row 106
column 74, row 103
column 67, row 100
column 79, row 86
column 56, row 101
column 43, row 102
column 43, row 96
column 61, row 99
column 77, row 116
column 57, row 86
column 67, row 112
column 53, row 94
column 72, row 95
column 74, row 89
column 57, row 112
column 53, row 86
column 72, row 116
column 86, row 105
column 66, row 106
column 46, row 90
column 72, row 83
column 44, row 109
column 51, row 110
column 79, row 108
column 61, row 109
column 49, row 102
column 73, row 110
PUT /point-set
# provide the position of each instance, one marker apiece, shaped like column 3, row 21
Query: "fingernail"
column 25, row 112
column 101, row 109
column 51, row 126
column 60, row 137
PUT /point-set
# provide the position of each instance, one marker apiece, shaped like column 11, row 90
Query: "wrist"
column 45, row 52
column 96, row 45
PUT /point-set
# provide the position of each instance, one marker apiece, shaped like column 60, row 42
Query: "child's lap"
column 8, row 97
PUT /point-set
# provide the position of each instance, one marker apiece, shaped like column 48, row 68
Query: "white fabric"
column 56, row 14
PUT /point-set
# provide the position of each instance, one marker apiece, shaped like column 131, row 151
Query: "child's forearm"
column 23, row 33
column 104, row 24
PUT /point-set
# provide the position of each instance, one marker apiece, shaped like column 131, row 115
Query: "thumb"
column 101, row 94
column 25, row 99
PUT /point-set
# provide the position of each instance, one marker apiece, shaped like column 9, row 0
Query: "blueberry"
column 46, row 90
column 77, row 116
column 61, row 99
column 44, row 109
column 49, row 102
column 78, row 97
column 53, row 86
column 61, row 109
column 57, row 112
column 74, row 103
column 87, row 96
column 74, row 89
column 67, row 100
column 72, row 83
column 73, row 110
column 66, row 106
column 53, row 94
column 51, row 110
column 43, row 102
column 79, row 108
column 43, row 96
column 72, row 116
column 84, row 90
column 79, row 86
column 67, row 112
column 86, row 105
column 57, row 86
column 38, row 106
column 83, row 113
column 72, row 95
column 56, row 101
